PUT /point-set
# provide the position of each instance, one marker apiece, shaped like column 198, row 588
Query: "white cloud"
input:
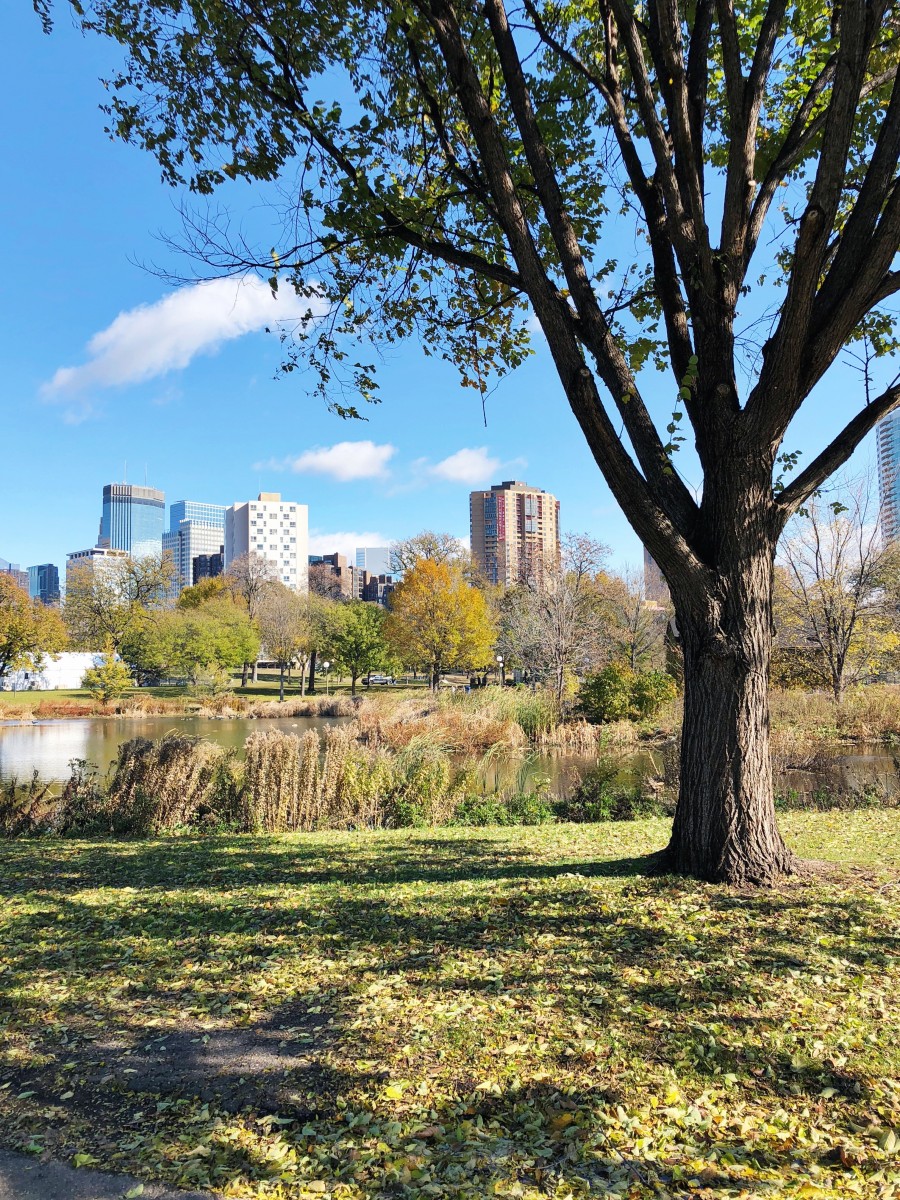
column 153, row 339
column 344, row 542
column 344, row 461
column 469, row 465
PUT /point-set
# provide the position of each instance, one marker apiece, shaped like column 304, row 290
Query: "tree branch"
column 611, row 363
column 836, row 453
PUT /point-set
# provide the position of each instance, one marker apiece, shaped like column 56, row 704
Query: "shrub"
column 109, row 680
column 617, row 693
column 599, row 796
column 519, row 808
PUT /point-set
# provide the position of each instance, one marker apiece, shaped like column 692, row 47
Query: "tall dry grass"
column 164, row 784
column 869, row 713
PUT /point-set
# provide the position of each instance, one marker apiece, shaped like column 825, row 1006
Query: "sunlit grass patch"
column 455, row 1012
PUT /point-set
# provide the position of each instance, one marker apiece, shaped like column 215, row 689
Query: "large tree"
column 489, row 164
column 834, row 604
column 29, row 630
column 357, row 640
column 108, row 601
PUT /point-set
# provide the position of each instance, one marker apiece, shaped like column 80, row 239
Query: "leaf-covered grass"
column 460, row 1013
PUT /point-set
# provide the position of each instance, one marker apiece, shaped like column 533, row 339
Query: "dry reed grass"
column 163, row 785
column 866, row 714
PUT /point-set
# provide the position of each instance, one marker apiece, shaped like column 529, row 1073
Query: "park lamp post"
column 500, row 672
column 326, row 666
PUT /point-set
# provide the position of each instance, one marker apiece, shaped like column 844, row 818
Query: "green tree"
column 29, row 630
column 491, row 168
column 358, row 642
column 107, row 601
column 109, row 679
column 193, row 643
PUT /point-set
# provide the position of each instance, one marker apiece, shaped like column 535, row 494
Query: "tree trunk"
column 353, row 678
column 244, row 671
column 312, row 673
column 281, row 683
column 724, row 828
column 255, row 672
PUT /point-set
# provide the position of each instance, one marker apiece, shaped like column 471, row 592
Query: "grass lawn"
column 502, row 1012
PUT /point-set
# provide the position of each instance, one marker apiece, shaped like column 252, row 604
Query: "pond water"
column 48, row 747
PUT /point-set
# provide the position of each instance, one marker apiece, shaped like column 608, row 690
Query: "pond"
column 48, row 747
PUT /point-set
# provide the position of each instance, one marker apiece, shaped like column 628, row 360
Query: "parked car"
column 380, row 679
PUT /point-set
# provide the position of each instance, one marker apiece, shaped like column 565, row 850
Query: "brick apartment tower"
column 514, row 530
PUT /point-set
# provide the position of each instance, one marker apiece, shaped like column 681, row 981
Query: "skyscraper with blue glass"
column 888, row 436
column 196, row 530
column 133, row 519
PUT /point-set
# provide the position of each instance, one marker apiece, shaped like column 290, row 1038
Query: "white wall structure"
column 276, row 530
column 65, row 671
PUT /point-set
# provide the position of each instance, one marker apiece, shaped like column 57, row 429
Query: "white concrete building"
column 274, row 529
column 97, row 558
column 65, row 670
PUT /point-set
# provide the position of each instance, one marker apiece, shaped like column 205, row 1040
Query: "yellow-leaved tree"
column 439, row 620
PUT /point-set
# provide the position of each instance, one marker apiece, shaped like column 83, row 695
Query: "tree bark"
column 255, row 672
column 725, row 828
column 312, row 673
column 281, row 683
column 353, row 678
column 244, row 671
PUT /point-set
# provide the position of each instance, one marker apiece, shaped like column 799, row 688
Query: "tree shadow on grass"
column 175, row 863
column 625, row 984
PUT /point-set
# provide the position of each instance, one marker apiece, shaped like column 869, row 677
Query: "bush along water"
column 286, row 784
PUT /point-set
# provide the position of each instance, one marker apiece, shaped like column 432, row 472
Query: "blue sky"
column 105, row 364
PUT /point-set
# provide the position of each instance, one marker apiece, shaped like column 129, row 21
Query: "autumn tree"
column 487, row 172
column 249, row 576
column 635, row 628
column 106, row 601
column 29, row 630
column 554, row 624
column 200, row 593
column 286, row 629
column 437, row 619
column 357, row 640
column 439, row 547
column 834, row 608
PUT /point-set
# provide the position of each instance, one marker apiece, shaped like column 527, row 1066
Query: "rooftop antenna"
column 145, row 474
column 125, row 476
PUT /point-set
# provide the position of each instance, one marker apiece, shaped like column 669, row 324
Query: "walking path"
column 25, row 1178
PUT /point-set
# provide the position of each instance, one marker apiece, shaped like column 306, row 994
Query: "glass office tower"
column 888, row 437
column 133, row 519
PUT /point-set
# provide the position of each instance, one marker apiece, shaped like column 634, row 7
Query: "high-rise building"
column 133, row 519
column 19, row 576
column 97, row 558
column 655, row 586
column 888, row 439
column 274, row 529
column 514, row 532
column 196, row 530
column 333, row 575
column 370, row 560
column 43, row 583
